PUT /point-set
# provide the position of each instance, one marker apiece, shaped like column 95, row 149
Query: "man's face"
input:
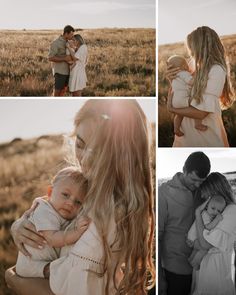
column 192, row 181
column 69, row 36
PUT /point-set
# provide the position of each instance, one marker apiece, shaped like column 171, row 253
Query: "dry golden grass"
column 121, row 62
column 165, row 126
column 27, row 167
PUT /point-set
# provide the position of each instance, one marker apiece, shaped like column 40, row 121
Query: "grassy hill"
column 165, row 126
column 27, row 167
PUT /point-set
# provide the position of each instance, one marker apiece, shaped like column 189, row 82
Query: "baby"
column 51, row 217
column 70, row 50
column 211, row 217
column 181, row 87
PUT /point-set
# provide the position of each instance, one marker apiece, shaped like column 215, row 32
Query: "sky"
column 170, row 161
column 28, row 118
column 55, row 14
column 176, row 19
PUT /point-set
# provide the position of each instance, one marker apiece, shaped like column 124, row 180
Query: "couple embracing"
column 196, row 257
column 68, row 54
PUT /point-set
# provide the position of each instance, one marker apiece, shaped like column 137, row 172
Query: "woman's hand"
column 169, row 101
column 24, row 232
column 171, row 73
column 26, row 286
column 201, row 207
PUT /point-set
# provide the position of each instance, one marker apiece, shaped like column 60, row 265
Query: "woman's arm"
column 189, row 112
column 26, row 286
column 200, row 227
column 24, row 232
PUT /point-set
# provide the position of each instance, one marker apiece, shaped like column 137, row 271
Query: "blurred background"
column 32, row 149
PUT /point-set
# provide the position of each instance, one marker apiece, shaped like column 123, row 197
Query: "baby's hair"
column 178, row 61
column 73, row 173
column 207, row 50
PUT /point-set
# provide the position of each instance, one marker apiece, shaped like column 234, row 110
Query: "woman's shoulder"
column 230, row 209
column 217, row 69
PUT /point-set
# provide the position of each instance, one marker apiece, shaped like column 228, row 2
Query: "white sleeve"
column 213, row 91
column 82, row 53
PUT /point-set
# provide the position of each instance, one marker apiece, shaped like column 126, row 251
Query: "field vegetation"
column 165, row 125
column 26, row 169
column 121, row 62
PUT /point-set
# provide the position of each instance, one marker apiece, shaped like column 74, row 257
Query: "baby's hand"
column 219, row 217
column 189, row 243
column 82, row 224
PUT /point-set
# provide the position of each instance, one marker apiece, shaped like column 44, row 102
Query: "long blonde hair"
column 207, row 50
column 121, row 187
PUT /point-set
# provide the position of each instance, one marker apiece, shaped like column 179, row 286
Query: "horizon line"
column 76, row 29
column 182, row 41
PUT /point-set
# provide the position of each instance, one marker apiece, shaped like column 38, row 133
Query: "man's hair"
column 68, row 29
column 198, row 162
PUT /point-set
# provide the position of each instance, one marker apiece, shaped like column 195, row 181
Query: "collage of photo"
column 118, row 147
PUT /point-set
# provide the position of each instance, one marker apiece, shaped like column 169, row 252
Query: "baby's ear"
column 49, row 191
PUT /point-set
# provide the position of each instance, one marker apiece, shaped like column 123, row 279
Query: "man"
column 176, row 205
column 60, row 67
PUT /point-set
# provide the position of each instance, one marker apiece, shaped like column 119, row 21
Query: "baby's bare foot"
column 201, row 127
column 179, row 133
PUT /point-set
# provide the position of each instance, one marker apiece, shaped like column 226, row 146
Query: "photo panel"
column 196, row 220
column 196, row 81
column 51, row 149
column 83, row 48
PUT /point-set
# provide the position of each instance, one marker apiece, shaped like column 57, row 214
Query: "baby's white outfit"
column 44, row 217
column 181, row 89
column 192, row 233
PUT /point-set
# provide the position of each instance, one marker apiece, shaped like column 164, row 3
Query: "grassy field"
column 26, row 169
column 121, row 62
column 165, row 126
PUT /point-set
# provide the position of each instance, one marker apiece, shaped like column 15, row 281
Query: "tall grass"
column 121, row 62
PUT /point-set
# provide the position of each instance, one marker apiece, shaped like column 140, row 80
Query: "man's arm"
column 53, row 54
column 64, row 58
column 162, row 219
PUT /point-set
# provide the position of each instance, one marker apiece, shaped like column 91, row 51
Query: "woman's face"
column 83, row 151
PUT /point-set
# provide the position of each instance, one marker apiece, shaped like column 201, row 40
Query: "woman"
column 216, row 274
column 79, row 54
column 211, row 90
column 112, row 149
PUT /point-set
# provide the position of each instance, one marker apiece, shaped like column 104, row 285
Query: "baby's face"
column 67, row 198
column 214, row 208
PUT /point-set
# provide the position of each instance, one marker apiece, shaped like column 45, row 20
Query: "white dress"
column 215, row 135
column 216, row 274
column 78, row 78
column 44, row 217
column 79, row 271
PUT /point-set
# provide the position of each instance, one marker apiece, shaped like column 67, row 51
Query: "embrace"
column 93, row 232
column 199, row 90
column 197, row 256
column 68, row 54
